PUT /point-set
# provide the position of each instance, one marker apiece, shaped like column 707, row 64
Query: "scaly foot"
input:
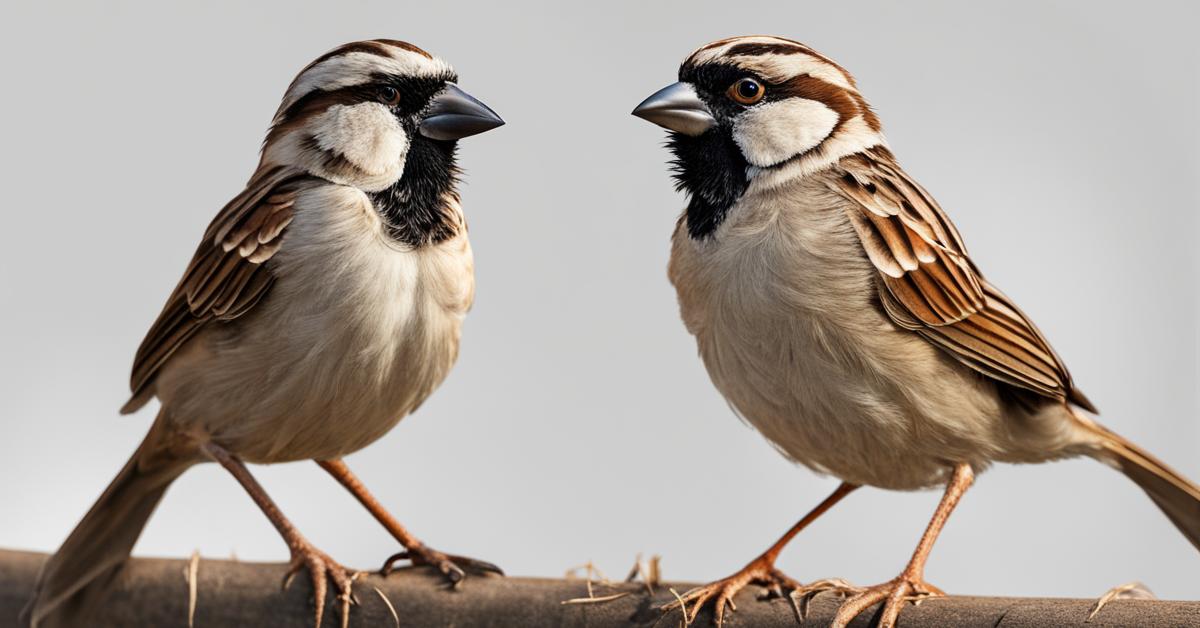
column 321, row 569
column 760, row 572
column 908, row 587
column 448, row 564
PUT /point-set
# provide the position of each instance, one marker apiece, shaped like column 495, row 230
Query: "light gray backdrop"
column 579, row 423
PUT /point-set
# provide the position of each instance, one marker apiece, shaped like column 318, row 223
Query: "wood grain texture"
column 154, row 592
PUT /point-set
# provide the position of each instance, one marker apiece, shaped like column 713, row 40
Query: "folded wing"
column 929, row 285
column 226, row 277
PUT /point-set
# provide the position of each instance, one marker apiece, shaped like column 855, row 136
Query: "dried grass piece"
column 682, row 607
column 388, row 603
column 1129, row 591
column 591, row 573
column 191, row 574
column 648, row 572
column 595, row 600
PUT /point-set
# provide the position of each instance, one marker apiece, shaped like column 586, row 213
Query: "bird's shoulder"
column 928, row 284
column 227, row 275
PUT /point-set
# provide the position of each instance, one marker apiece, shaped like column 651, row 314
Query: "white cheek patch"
column 776, row 131
column 366, row 134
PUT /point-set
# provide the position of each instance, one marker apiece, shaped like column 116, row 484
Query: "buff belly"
column 355, row 333
column 782, row 302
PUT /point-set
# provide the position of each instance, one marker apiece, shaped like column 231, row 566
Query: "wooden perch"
column 156, row 592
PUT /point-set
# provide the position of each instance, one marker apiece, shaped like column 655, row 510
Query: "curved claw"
column 453, row 572
column 447, row 564
column 389, row 563
column 476, row 565
column 722, row 592
column 893, row 594
column 322, row 569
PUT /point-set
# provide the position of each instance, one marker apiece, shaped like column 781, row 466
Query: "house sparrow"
column 836, row 308
column 323, row 304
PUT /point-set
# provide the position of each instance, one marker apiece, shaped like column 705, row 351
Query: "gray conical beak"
column 455, row 114
column 677, row 108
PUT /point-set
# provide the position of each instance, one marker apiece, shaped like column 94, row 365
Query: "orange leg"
column 321, row 568
column 910, row 585
column 762, row 571
column 415, row 550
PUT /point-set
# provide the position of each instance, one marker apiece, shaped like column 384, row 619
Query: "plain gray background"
column 579, row 423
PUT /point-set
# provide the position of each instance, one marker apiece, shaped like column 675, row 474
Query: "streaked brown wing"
column 929, row 284
column 226, row 276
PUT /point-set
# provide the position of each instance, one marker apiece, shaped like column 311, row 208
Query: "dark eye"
column 747, row 91
column 388, row 95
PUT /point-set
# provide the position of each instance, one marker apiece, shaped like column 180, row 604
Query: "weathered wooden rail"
column 156, row 592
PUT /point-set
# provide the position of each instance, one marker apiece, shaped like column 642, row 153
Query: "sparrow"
column 836, row 308
column 323, row 304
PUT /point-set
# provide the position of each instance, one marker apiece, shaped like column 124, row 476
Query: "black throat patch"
column 711, row 170
column 416, row 208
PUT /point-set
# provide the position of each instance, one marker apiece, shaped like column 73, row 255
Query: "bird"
column 323, row 304
column 836, row 309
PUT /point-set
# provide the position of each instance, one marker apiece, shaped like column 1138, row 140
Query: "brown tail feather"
column 1177, row 496
column 78, row 574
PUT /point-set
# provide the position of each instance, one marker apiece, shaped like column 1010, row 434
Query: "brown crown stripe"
column 788, row 48
column 757, row 48
column 729, row 40
column 718, row 44
column 404, row 46
column 377, row 48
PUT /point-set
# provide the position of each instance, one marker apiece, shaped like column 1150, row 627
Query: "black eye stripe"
column 414, row 93
column 714, row 78
column 714, row 82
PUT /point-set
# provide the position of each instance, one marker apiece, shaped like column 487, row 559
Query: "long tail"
column 77, row 576
column 1177, row 496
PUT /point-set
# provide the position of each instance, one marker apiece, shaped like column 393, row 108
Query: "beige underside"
column 355, row 333
column 782, row 305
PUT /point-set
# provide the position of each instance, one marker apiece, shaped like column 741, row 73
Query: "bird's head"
column 356, row 114
column 758, row 108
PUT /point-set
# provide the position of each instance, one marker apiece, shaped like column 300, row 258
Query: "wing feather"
column 226, row 276
column 929, row 285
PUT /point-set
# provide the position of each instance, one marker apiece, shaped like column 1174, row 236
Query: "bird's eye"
column 388, row 95
column 747, row 91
